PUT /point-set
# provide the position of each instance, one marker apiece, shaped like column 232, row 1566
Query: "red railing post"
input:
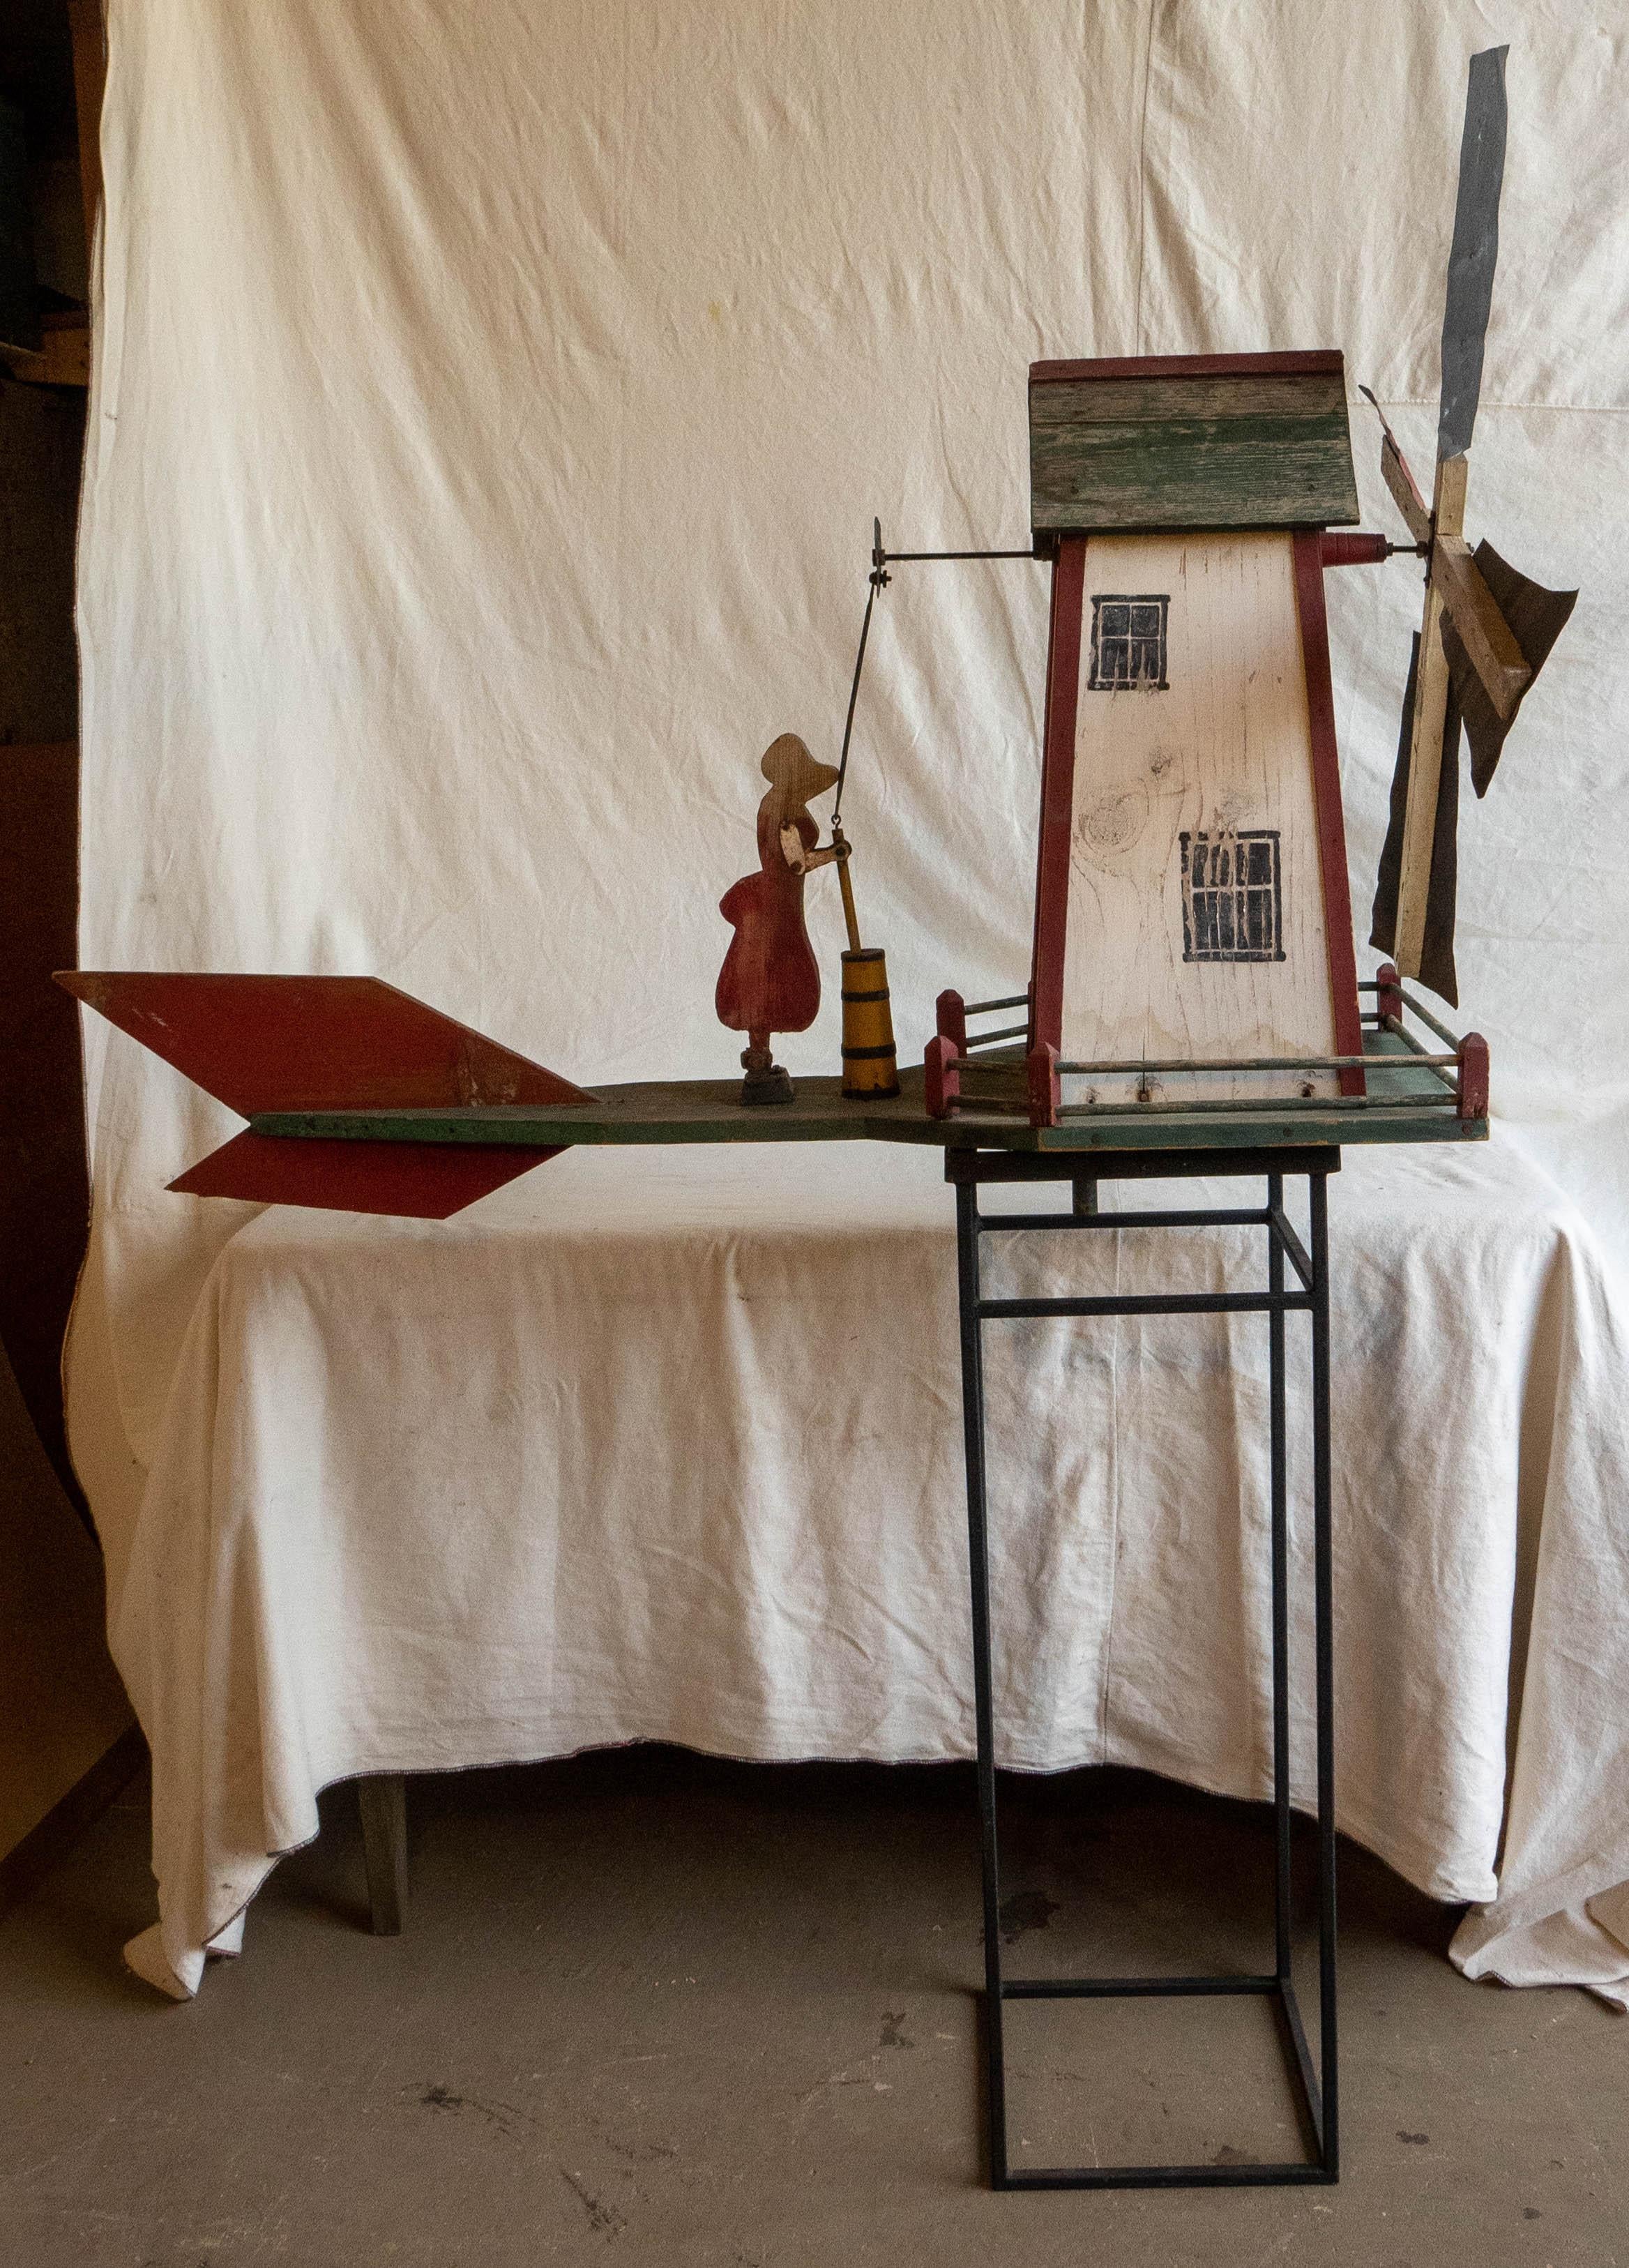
column 1473, row 1076
column 941, row 1077
column 1045, row 1089
column 1389, row 996
column 950, row 1020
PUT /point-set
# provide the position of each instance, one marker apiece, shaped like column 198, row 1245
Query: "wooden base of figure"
column 767, row 1082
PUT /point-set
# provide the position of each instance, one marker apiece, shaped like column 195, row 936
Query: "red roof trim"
column 1322, row 361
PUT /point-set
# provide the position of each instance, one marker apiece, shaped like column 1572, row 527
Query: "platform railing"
column 1459, row 1073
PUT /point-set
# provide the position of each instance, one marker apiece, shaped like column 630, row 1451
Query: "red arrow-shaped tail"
column 424, row 1181
column 327, row 1042
column 313, row 1042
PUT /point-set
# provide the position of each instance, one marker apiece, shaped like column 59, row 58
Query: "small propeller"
column 1487, row 629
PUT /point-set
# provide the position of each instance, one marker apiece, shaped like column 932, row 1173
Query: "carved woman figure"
column 770, row 981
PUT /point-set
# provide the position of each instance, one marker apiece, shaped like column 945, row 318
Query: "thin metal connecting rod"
column 1028, row 552
column 879, row 580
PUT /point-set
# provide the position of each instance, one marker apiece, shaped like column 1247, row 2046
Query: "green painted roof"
column 1190, row 441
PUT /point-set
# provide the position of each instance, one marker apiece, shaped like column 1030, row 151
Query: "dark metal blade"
column 1536, row 618
column 1475, row 251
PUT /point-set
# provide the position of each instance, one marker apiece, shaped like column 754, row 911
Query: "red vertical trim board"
column 1063, row 694
column 1315, row 646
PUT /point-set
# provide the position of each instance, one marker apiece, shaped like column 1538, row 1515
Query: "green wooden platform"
column 1405, row 1104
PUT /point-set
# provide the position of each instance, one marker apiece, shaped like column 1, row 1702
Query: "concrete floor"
column 650, row 2008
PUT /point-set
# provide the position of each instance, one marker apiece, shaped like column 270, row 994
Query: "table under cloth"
column 666, row 1446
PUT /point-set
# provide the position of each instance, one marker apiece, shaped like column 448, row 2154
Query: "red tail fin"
column 313, row 1042
column 424, row 1181
column 327, row 1042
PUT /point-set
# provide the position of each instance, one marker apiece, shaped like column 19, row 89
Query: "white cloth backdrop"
column 490, row 406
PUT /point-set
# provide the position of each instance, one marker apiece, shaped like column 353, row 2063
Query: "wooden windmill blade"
column 1487, row 628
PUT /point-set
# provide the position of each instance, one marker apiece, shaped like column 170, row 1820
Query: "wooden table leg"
column 382, row 1799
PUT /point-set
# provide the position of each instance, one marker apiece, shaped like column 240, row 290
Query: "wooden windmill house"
column 1193, row 923
column 1191, row 904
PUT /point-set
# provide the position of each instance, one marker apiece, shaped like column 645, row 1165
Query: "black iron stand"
column 969, row 1170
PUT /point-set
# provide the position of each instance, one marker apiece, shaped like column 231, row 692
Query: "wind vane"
column 1192, row 971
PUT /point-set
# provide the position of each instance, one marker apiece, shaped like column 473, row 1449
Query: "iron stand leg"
column 1323, row 1641
column 969, row 1170
column 1280, row 1594
column 983, row 1700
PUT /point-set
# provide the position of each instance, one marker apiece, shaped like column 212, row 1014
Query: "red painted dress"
column 770, row 980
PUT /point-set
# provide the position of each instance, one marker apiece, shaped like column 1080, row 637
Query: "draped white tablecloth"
column 667, row 1445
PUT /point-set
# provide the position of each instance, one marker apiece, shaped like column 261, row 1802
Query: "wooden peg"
column 1473, row 1076
column 1045, row 1088
column 941, row 1077
column 950, row 1020
column 1356, row 550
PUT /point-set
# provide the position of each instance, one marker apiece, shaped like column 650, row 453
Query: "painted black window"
column 1231, row 904
column 1128, row 643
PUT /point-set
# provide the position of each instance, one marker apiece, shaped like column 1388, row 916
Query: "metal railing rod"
column 1147, row 1303
column 1247, row 2175
column 993, row 1039
column 1298, row 1106
column 1237, row 1063
column 1418, row 1008
column 1208, row 1218
column 1303, row 2056
column 1132, row 1988
column 989, row 1007
column 1301, row 1260
column 1422, row 1060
